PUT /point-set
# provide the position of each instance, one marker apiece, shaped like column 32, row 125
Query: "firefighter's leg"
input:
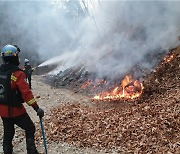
column 29, row 80
column 26, row 123
column 9, row 131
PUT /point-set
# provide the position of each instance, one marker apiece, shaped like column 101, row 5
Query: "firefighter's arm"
column 26, row 91
column 33, row 68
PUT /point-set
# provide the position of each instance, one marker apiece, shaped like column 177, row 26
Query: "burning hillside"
column 149, row 125
column 133, row 89
column 127, row 87
column 118, row 55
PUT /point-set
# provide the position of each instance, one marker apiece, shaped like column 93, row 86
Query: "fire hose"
column 43, row 135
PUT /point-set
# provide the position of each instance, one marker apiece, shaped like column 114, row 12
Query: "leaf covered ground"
column 151, row 125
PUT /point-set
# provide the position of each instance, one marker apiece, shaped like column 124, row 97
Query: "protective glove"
column 40, row 112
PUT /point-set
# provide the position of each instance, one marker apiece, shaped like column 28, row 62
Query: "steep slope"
column 150, row 125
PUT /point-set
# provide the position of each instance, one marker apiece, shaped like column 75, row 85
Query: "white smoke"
column 109, row 42
column 122, row 33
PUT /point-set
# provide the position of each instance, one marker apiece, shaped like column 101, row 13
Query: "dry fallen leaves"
column 152, row 126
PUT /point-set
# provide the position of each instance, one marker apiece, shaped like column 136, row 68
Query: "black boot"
column 30, row 146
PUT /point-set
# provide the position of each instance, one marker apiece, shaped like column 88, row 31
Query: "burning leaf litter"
column 150, row 125
column 169, row 58
column 129, row 89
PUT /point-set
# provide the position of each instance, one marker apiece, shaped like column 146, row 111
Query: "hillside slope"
column 75, row 124
column 150, row 125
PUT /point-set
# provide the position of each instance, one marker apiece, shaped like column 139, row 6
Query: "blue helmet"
column 10, row 51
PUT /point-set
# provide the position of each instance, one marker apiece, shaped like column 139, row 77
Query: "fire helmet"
column 10, row 51
column 26, row 60
column 9, row 54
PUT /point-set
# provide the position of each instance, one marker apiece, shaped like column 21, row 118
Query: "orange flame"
column 169, row 58
column 129, row 89
column 86, row 84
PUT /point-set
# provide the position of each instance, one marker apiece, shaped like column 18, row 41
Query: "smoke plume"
column 110, row 41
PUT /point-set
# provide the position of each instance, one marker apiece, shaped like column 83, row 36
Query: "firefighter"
column 14, row 91
column 27, row 68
